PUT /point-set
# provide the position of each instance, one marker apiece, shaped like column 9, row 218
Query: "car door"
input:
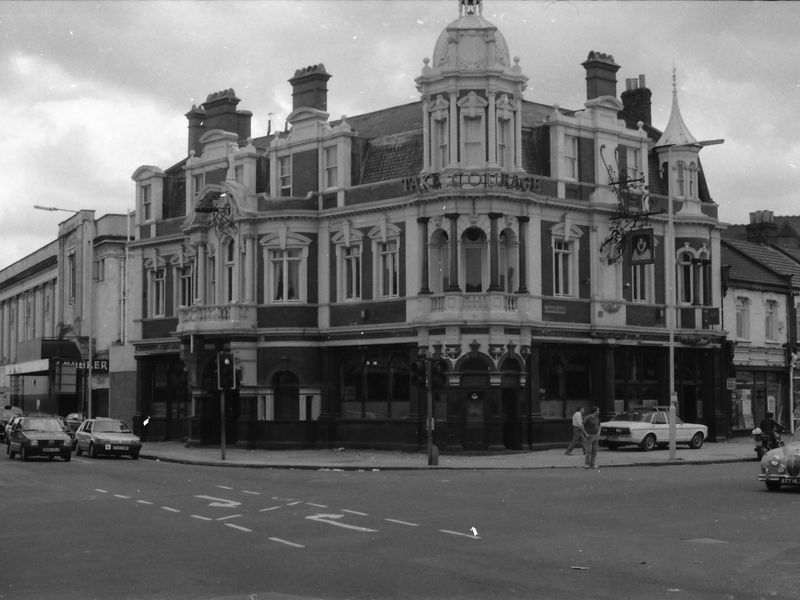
column 83, row 435
column 660, row 426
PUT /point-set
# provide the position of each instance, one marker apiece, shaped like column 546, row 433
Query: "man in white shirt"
column 578, row 432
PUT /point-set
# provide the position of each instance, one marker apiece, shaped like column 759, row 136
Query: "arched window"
column 230, row 271
column 473, row 244
column 439, row 252
column 685, row 277
column 680, row 179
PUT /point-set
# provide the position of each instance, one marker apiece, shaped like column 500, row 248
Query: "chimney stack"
column 196, row 129
column 220, row 110
column 309, row 88
column 762, row 228
column 636, row 100
column 601, row 75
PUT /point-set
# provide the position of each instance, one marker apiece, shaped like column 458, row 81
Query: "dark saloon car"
column 106, row 436
column 39, row 436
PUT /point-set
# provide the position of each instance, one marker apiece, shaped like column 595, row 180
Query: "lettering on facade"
column 98, row 366
column 554, row 310
column 460, row 180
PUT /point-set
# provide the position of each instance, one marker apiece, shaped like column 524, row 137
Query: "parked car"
column 781, row 466
column 6, row 414
column 38, row 436
column 649, row 428
column 106, row 436
column 74, row 421
column 9, row 425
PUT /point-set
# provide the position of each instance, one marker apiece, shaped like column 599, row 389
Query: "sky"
column 90, row 91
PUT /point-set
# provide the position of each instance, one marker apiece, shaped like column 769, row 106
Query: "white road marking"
column 252, row 493
column 228, row 517
column 280, row 541
column 239, row 527
column 354, row 512
column 224, row 487
column 268, row 509
column 121, row 496
column 316, row 505
column 295, row 503
column 466, row 535
column 402, row 522
column 327, row 519
column 202, row 517
column 144, row 502
column 170, row 509
column 101, row 491
column 222, row 502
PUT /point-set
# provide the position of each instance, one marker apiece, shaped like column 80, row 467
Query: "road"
column 117, row 529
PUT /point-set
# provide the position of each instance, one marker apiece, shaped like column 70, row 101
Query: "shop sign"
column 731, row 383
column 437, row 181
column 98, row 366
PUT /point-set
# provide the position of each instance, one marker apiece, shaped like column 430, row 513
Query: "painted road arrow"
column 328, row 519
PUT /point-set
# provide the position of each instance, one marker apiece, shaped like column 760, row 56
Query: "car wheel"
column 696, row 442
column 135, row 455
column 92, row 451
column 67, row 456
column 649, row 442
column 773, row 486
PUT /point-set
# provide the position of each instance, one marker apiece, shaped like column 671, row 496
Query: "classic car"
column 649, row 428
column 781, row 466
column 6, row 414
column 39, row 436
column 106, row 436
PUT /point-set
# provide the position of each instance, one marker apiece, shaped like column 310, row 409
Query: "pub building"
column 474, row 229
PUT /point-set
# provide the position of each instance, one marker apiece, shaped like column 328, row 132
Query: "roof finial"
column 469, row 7
column 674, row 78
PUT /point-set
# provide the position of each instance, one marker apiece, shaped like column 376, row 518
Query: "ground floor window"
column 375, row 387
column 756, row 393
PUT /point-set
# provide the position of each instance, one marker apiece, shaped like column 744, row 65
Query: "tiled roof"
column 765, row 256
column 390, row 161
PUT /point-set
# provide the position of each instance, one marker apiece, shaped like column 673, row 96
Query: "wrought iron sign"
column 217, row 205
column 632, row 212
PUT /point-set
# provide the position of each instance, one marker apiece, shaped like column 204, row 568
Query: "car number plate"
column 791, row 480
column 51, row 450
column 119, row 447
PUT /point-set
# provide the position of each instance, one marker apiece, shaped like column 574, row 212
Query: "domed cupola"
column 471, row 42
column 471, row 98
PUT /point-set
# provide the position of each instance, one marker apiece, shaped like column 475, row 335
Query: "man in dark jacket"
column 591, row 442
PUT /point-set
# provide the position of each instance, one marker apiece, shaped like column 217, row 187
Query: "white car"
column 649, row 428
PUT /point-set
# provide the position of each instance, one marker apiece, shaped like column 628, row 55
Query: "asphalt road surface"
column 113, row 528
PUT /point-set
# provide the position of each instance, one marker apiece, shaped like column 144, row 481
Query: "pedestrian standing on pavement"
column 591, row 442
column 578, row 432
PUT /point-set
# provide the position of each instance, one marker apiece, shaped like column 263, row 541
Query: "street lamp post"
column 88, row 260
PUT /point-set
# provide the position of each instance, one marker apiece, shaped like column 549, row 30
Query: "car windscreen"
column 110, row 427
column 41, row 425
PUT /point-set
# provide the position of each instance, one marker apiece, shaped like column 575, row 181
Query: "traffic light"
column 438, row 370
column 418, row 375
column 226, row 371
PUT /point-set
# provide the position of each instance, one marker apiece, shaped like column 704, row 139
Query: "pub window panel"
column 351, row 273
column 474, row 154
column 439, row 252
column 331, row 167
column 474, row 252
column 641, row 282
column 771, row 322
column 562, row 268
column 571, row 157
column 685, row 279
column 388, row 276
column 185, row 286
column 147, row 203
column 72, row 277
column 230, row 271
column 285, row 175
column 440, row 143
column 504, row 144
column 159, row 278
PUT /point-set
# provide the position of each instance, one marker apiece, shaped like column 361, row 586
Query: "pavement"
column 736, row 449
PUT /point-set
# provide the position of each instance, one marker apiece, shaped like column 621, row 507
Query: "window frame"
column 331, row 169
column 742, row 318
column 276, row 250
column 571, row 155
column 285, row 176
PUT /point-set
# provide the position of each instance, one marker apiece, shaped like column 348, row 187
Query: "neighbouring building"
column 63, row 319
column 761, row 291
column 543, row 258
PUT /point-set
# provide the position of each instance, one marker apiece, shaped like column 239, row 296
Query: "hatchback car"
column 648, row 429
column 106, row 436
column 38, row 436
